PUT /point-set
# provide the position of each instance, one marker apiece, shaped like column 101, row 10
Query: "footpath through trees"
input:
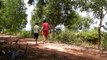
column 27, row 49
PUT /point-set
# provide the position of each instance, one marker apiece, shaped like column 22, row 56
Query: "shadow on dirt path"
column 45, row 53
column 55, row 51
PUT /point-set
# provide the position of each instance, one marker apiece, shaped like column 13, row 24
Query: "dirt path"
column 56, row 51
column 71, row 52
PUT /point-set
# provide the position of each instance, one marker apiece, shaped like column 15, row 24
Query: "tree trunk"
column 99, row 33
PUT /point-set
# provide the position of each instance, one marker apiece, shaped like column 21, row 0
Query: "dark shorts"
column 36, row 35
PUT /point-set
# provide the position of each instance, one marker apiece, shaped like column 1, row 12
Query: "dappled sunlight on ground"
column 56, row 51
column 55, row 48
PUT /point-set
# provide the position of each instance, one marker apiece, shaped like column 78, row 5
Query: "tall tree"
column 56, row 12
column 13, row 15
column 99, row 9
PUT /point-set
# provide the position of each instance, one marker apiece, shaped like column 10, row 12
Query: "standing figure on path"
column 36, row 32
column 45, row 30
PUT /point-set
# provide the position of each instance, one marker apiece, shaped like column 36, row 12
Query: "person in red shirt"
column 45, row 30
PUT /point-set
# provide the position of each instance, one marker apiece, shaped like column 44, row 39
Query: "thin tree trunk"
column 99, row 33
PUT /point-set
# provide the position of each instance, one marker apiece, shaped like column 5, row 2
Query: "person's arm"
column 41, row 28
column 38, row 29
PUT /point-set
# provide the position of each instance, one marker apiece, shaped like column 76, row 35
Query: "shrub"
column 66, row 36
column 25, row 34
column 84, row 38
column 89, row 36
column 104, row 40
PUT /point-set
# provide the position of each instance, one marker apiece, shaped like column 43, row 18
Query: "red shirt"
column 45, row 26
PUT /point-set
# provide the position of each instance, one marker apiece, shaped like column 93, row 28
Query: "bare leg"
column 44, row 39
column 36, row 40
column 45, row 36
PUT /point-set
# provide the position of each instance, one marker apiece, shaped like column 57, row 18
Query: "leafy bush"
column 66, row 36
column 104, row 44
column 25, row 34
column 104, row 40
column 77, row 37
column 89, row 36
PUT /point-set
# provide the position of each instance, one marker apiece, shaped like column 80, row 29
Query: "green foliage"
column 99, row 9
column 76, row 37
column 80, row 23
column 104, row 44
column 97, row 6
column 104, row 40
column 25, row 34
column 1, row 4
column 84, row 38
column 38, row 12
column 12, row 15
column 60, row 11
column 89, row 36
column 66, row 37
